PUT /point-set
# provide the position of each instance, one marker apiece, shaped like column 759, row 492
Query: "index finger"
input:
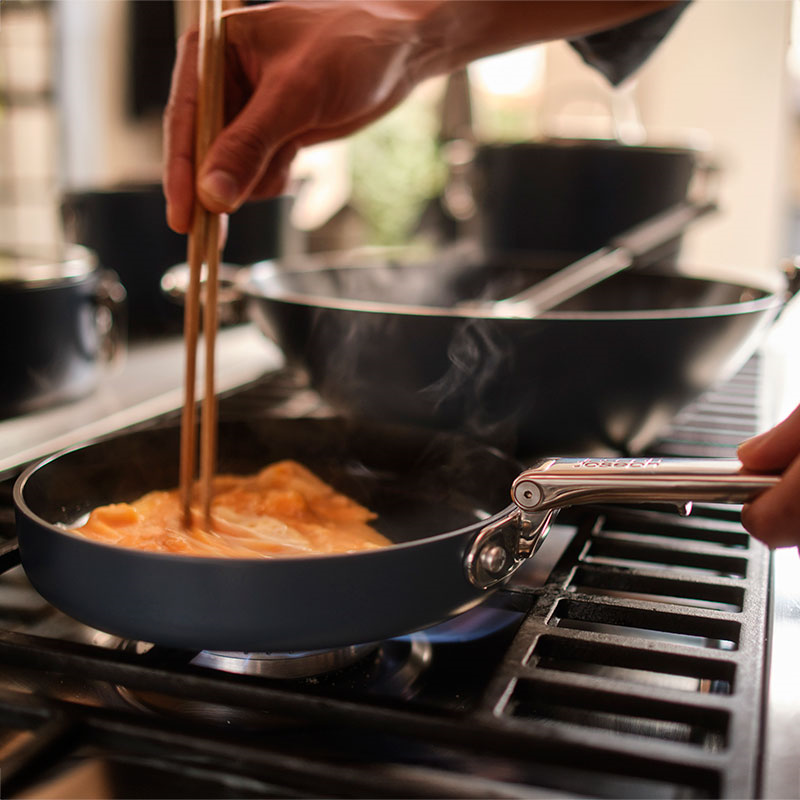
column 773, row 516
column 179, row 124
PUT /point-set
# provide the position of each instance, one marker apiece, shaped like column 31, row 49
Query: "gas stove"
column 639, row 654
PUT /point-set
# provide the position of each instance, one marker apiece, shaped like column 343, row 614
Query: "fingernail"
column 176, row 219
column 221, row 187
column 754, row 441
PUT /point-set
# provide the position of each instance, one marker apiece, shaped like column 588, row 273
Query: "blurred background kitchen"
column 83, row 84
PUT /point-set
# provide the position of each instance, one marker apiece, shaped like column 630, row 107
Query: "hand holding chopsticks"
column 203, row 249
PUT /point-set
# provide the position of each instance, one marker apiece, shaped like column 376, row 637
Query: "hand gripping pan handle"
column 553, row 483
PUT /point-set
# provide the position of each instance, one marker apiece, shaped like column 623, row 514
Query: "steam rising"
column 477, row 353
column 436, row 370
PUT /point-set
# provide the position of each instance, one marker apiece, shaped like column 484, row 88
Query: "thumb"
column 776, row 448
column 238, row 159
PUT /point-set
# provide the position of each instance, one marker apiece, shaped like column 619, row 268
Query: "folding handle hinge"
column 501, row 548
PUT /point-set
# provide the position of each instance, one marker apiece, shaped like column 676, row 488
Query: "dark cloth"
column 619, row 52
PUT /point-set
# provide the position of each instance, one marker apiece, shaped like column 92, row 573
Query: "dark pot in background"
column 59, row 319
column 126, row 226
column 573, row 194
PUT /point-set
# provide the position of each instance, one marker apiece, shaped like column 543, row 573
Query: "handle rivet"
column 493, row 559
column 527, row 494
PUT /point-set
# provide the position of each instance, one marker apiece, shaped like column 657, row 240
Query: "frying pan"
column 442, row 500
column 417, row 341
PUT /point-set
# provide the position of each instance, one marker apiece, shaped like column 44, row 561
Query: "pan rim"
column 22, row 507
column 253, row 286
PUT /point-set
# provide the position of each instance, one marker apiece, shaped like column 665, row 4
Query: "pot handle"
column 230, row 299
column 634, row 245
column 110, row 297
column 553, row 483
column 791, row 272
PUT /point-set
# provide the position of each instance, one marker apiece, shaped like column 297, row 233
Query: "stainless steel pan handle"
column 559, row 482
column 632, row 246
column 502, row 547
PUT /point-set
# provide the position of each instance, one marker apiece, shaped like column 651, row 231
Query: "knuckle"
column 170, row 117
column 187, row 42
column 248, row 144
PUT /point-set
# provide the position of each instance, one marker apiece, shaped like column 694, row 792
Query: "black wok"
column 606, row 370
column 442, row 500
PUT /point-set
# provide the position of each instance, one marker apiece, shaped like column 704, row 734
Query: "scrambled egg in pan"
column 283, row 510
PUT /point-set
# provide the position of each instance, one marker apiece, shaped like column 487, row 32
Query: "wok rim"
column 248, row 284
column 22, row 507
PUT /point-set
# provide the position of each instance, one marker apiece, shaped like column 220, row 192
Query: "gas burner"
column 284, row 665
column 393, row 668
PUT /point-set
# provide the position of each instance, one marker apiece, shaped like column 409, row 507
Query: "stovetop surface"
column 626, row 660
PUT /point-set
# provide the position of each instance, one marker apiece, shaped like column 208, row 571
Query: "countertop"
column 148, row 382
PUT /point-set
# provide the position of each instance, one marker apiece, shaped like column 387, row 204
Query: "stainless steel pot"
column 126, row 227
column 62, row 324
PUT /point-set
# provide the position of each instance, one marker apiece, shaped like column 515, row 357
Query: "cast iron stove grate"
column 635, row 670
column 645, row 649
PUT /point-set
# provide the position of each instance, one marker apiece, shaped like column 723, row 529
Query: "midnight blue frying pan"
column 462, row 517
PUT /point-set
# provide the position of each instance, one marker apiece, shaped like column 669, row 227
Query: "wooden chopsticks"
column 203, row 248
